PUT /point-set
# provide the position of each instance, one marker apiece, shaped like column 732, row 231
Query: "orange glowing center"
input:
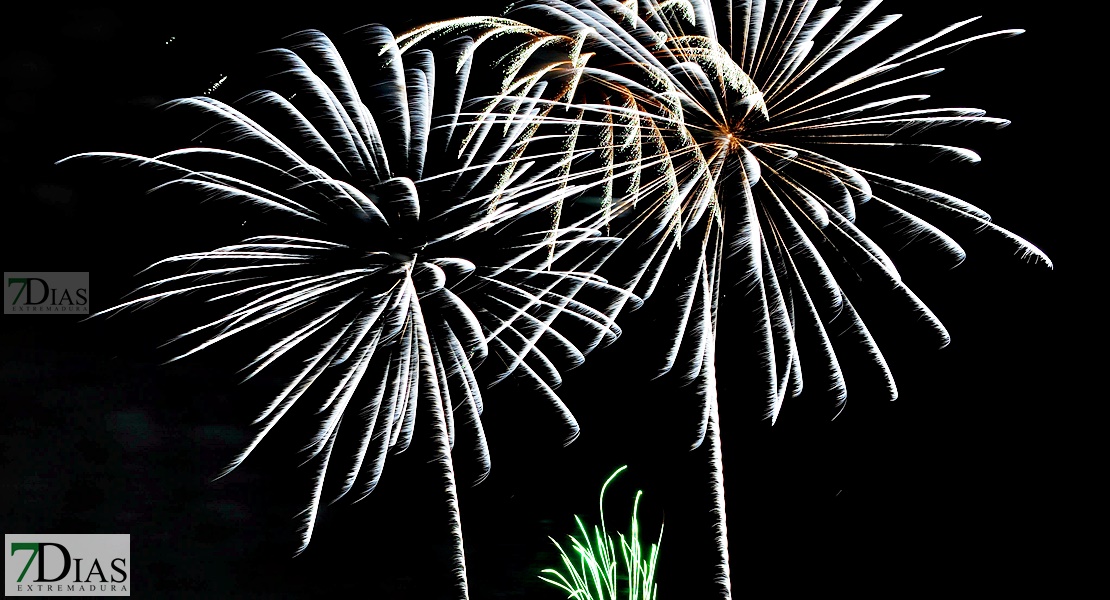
column 730, row 137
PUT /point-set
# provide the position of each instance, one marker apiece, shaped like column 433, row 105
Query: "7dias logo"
column 67, row 565
column 46, row 293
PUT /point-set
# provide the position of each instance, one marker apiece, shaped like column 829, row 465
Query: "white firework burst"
column 403, row 254
column 740, row 129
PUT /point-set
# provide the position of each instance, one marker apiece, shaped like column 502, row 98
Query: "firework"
column 730, row 140
column 402, row 255
column 591, row 572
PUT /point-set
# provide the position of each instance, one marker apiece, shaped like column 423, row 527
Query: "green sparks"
column 591, row 570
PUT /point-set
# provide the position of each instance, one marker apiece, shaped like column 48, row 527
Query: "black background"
column 958, row 484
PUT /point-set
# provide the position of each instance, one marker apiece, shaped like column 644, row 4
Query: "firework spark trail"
column 742, row 116
column 405, row 255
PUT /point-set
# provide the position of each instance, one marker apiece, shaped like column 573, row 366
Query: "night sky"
column 951, row 485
